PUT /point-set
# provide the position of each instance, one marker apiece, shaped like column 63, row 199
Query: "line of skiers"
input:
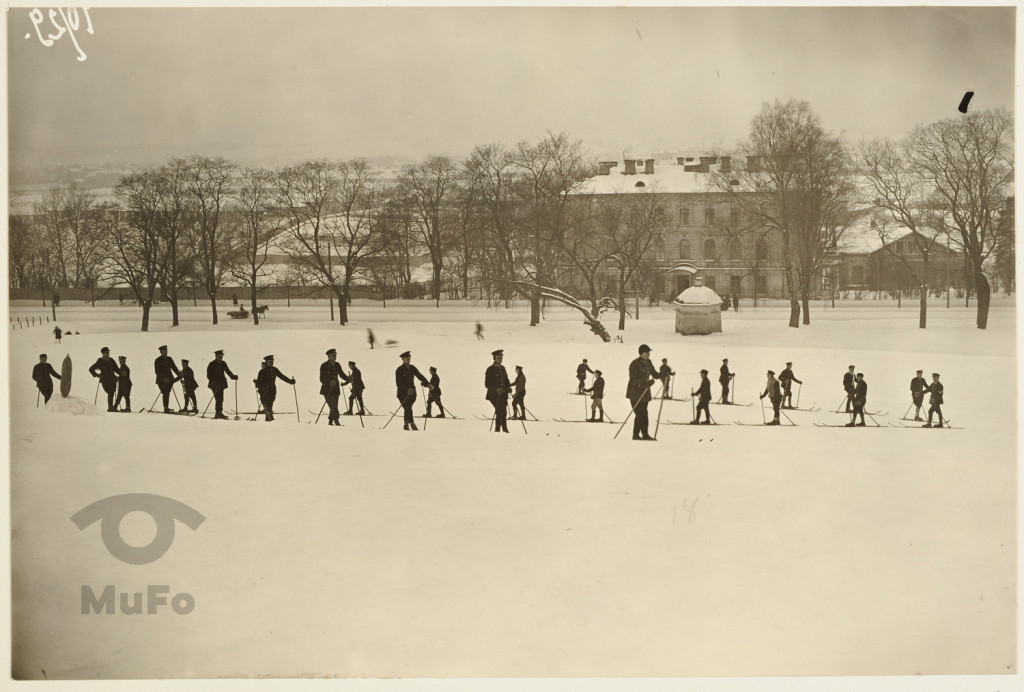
column 115, row 378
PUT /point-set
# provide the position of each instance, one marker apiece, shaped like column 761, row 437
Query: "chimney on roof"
column 605, row 167
column 753, row 163
column 630, row 167
column 680, row 160
column 648, row 166
column 705, row 163
column 690, row 165
column 726, row 164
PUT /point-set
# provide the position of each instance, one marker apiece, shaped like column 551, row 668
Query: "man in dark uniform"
column 41, row 373
column 330, row 389
column 918, row 386
column 124, row 385
column 519, row 398
column 665, row 374
column 266, row 385
column 405, row 385
column 497, row 384
column 189, row 386
column 703, row 395
column 356, row 394
column 849, row 384
column 774, row 394
column 725, row 379
column 217, row 382
column 596, row 391
column 106, row 369
column 641, row 376
column 435, row 393
column 935, row 400
column 581, row 374
column 787, row 378
column 166, row 375
column 860, row 398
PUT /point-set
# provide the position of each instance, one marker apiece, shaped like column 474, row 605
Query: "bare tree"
column 489, row 174
column 22, row 251
column 967, row 164
column 209, row 180
column 429, row 189
column 258, row 224
column 1005, row 264
column 134, row 238
column 175, row 219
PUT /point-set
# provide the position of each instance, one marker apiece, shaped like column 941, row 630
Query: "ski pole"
column 395, row 412
column 799, row 388
column 236, row 402
column 296, row 393
column 732, row 390
column 530, row 412
column 37, row 398
column 207, row 407
column 787, row 417
column 491, row 424
column 877, row 425
column 521, row 420
column 96, row 396
column 904, row 416
column 693, row 407
column 154, row 403
column 763, row 418
column 841, row 402
column 319, row 414
column 626, row 419
column 657, row 421
column 175, row 395
column 425, row 397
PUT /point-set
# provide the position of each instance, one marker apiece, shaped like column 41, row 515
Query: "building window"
column 684, row 249
column 761, row 282
column 762, row 250
column 709, row 216
column 684, row 216
column 709, row 249
column 709, row 281
column 735, row 249
column 659, row 249
column 734, row 215
column 857, row 274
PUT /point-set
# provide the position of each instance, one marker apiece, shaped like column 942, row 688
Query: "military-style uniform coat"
column 772, row 390
column 598, row 389
column 581, row 371
column 435, row 382
column 723, row 374
column 41, row 373
column 329, row 374
column 405, row 379
column 496, row 381
column 520, row 383
column 356, row 378
column 641, row 372
column 105, row 369
column 935, row 389
column 704, row 391
column 165, row 369
column 266, row 381
column 215, row 374
column 918, row 386
column 188, row 379
column 860, row 393
column 848, row 382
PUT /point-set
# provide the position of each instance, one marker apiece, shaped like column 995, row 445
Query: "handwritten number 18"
column 68, row 23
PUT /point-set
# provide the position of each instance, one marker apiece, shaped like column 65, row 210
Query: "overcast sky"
column 278, row 85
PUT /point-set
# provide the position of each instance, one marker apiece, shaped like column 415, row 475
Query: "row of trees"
column 516, row 220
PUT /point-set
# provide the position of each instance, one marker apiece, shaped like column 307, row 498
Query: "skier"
column 41, row 373
column 217, row 382
column 266, row 385
column 725, row 379
column 164, row 367
column 356, row 377
column 597, row 399
column 641, row 376
column 581, row 374
column 774, row 394
column 106, row 369
column 330, row 373
column 497, row 384
column 479, row 331
column 188, row 386
column 918, row 386
column 935, row 400
column 849, row 384
column 860, row 398
column 370, row 338
column 665, row 374
column 406, row 387
column 519, row 398
column 435, row 393
column 57, row 334
column 703, row 394
column 787, row 378
column 124, row 385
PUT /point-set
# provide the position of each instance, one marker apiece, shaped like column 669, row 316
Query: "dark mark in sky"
column 965, row 101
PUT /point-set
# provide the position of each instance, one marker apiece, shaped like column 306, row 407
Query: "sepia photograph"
column 551, row 268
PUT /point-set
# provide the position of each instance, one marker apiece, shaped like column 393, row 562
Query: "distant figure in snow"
column 234, row 299
column 860, row 399
column 918, row 386
column 217, row 372
column 435, row 393
column 519, row 398
column 41, row 373
column 849, row 384
column 581, row 374
column 57, row 334
column 787, row 378
column 641, row 376
column 266, row 385
column 935, row 400
column 725, row 379
column 597, row 399
column 106, row 369
column 405, row 387
column 479, row 332
column 774, row 394
column 188, row 386
column 356, row 394
column 736, row 302
column 124, row 386
column 497, row 384
column 703, row 395
column 665, row 374
column 370, row 338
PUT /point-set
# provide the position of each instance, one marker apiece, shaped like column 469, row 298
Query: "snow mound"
column 698, row 295
column 74, row 405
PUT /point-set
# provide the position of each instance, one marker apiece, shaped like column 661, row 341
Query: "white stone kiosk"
column 698, row 310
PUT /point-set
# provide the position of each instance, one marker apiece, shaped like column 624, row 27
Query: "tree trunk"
column 146, row 304
column 535, row 309
column 252, row 300
column 984, row 291
column 922, row 321
column 341, row 292
column 213, row 305
column 437, row 283
column 806, row 300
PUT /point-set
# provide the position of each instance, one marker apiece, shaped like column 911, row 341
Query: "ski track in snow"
column 454, row 551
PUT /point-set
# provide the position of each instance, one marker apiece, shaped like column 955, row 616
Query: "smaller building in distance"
column 698, row 310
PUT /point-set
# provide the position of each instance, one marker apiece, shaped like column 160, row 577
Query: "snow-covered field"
column 554, row 551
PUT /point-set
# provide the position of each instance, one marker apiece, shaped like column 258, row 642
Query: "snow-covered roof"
column 668, row 176
column 699, row 295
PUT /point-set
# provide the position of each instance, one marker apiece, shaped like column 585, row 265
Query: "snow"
column 558, row 551
column 699, row 295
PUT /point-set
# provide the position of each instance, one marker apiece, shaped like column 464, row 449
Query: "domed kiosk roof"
column 698, row 295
